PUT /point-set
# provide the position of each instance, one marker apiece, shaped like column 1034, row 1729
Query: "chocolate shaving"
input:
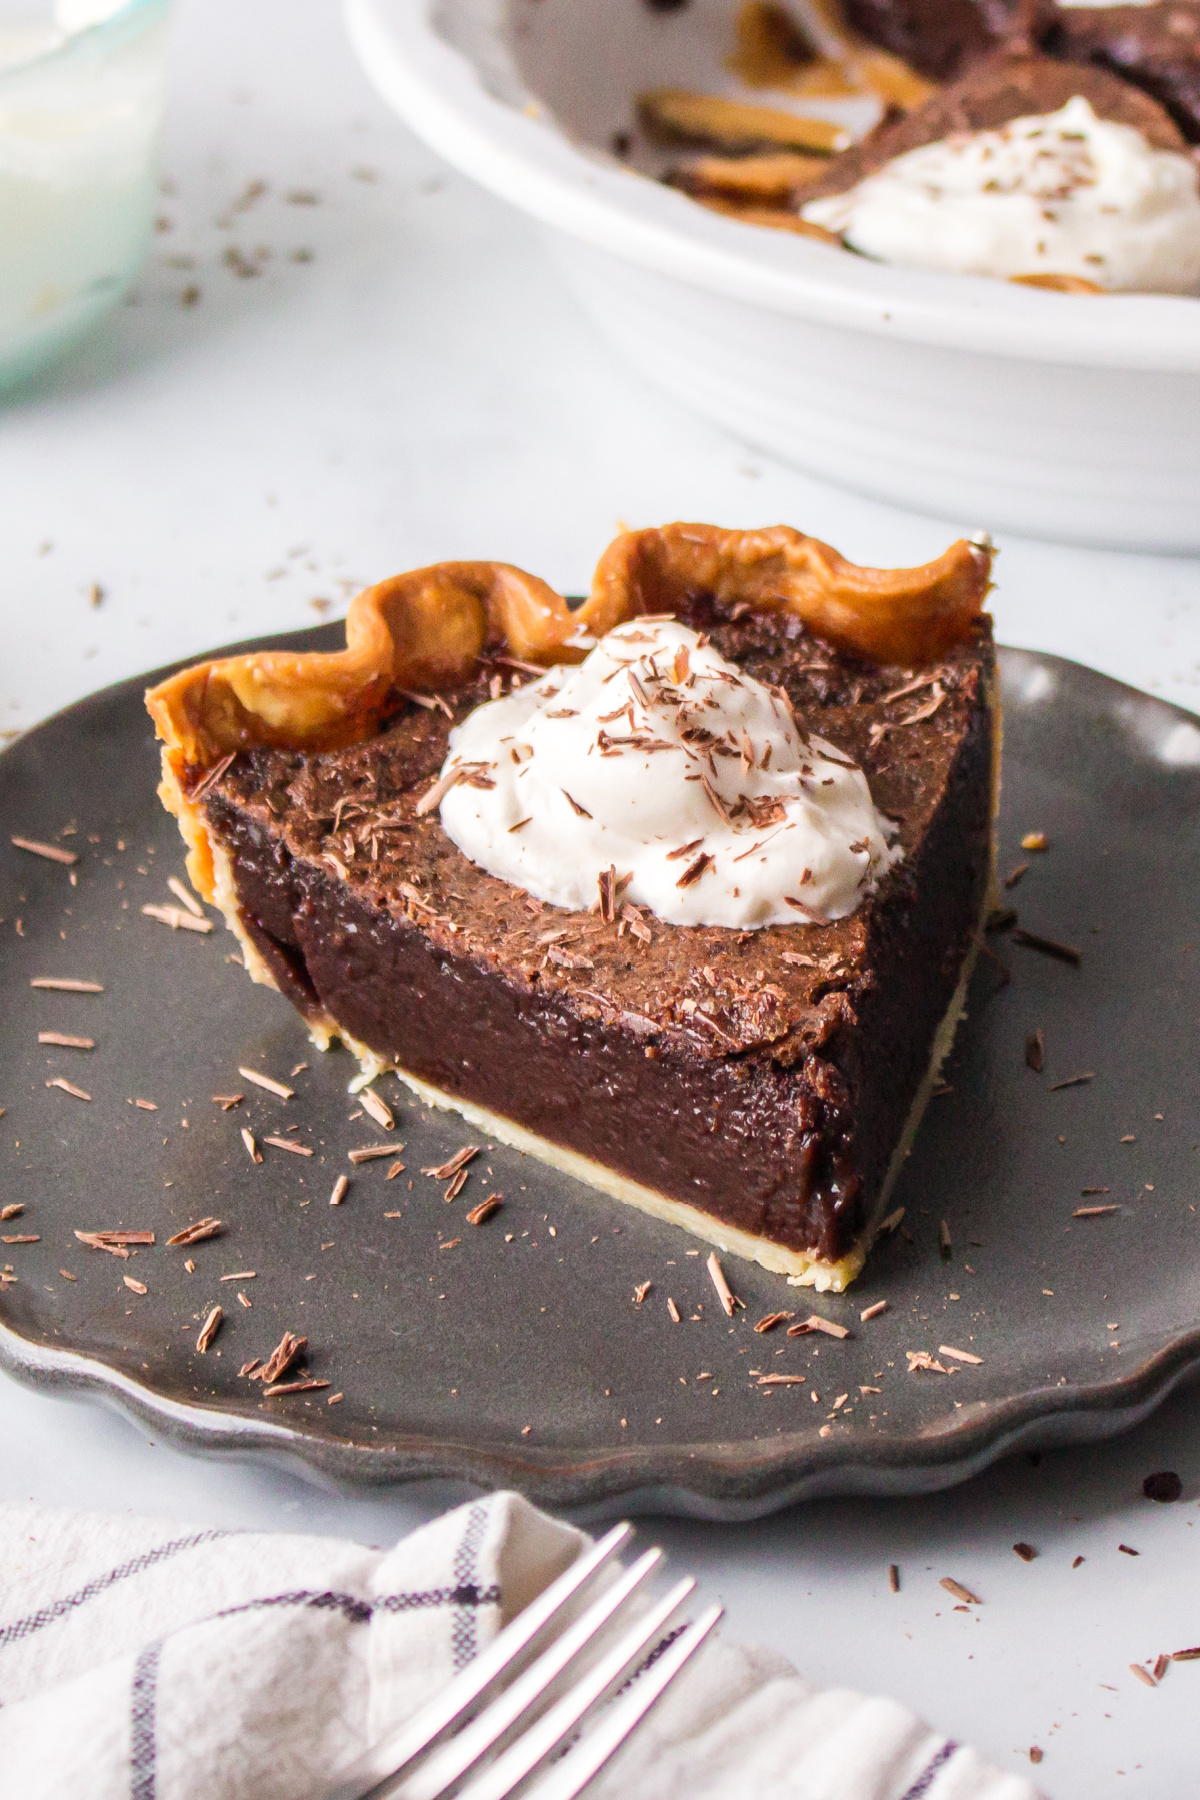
column 879, row 731
column 815, row 1322
column 575, row 806
column 695, row 870
column 434, row 795
column 724, row 1293
column 286, row 1352
column 292, row 1387
column 607, row 881
column 116, row 1243
column 1035, row 1052
column 513, row 662
column 633, row 922
column 1071, row 1081
column 959, row 1591
column 910, row 687
column 715, row 800
column 487, row 1206
column 770, row 1320
column 266, row 1081
column 1093, row 1212
column 448, row 1170
column 211, row 779
column 50, row 851
column 177, row 918
column 66, row 985
column 457, row 1184
column 431, row 702
column 210, row 1328
column 809, row 912
column 282, row 1143
column 568, row 959
column 377, row 1108
column 684, row 849
column 1048, row 947
column 197, row 1233
column 184, row 897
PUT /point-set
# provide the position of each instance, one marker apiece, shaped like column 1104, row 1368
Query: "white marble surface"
column 423, row 387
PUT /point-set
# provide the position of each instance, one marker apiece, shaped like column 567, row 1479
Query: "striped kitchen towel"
column 148, row 1661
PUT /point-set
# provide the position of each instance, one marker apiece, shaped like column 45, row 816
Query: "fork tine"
column 512, row 1650
column 530, row 1750
column 525, row 1699
column 572, row 1773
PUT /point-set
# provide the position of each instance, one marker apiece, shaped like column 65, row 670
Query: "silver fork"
column 593, row 1650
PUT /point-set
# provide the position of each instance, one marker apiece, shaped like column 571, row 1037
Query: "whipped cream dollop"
column 1060, row 193
column 658, row 760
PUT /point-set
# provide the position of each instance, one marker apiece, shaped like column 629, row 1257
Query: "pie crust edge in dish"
column 429, row 628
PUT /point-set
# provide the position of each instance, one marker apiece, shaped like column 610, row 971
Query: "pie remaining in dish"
column 1050, row 144
column 679, row 890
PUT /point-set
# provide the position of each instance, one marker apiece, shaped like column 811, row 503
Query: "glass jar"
column 81, row 103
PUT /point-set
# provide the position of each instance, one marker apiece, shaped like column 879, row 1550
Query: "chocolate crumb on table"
column 959, row 1591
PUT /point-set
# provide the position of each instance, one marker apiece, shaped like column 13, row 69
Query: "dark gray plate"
column 526, row 1362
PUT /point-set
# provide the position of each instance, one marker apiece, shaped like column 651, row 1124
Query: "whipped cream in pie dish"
column 1063, row 193
column 694, row 783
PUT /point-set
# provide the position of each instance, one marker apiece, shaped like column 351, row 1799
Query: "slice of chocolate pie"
column 679, row 891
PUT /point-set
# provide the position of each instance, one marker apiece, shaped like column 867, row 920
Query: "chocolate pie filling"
column 763, row 1078
column 992, row 92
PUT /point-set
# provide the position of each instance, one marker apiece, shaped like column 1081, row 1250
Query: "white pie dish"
column 1061, row 416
